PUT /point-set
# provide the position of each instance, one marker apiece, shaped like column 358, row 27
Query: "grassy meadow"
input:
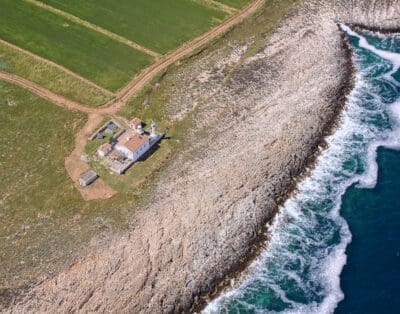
column 94, row 56
column 50, row 77
column 160, row 25
column 44, row 220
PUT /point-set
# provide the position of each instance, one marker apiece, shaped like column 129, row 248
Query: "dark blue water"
column 335, row 246
column 371, row 278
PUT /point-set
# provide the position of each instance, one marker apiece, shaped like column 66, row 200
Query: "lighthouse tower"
column 153, row 130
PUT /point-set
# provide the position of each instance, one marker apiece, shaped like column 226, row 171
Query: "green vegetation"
column 94, row 56
column 161, row 25
column 36, row 194
column 153, row 101
column 149, row 104
column 44, row 220
column 52, row 78
column 234, row 3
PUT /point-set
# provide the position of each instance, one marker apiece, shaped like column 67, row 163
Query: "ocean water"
column 335, row 246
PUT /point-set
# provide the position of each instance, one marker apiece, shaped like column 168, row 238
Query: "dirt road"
column 139, row 81
column 45, row 93
column 57, row 99
column 73, row 163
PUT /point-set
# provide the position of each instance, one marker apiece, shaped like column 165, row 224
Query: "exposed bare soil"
column 75, row 166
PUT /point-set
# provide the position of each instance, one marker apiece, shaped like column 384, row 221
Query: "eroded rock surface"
column 264, row 121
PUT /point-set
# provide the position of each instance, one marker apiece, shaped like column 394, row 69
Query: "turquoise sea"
column 335, row 246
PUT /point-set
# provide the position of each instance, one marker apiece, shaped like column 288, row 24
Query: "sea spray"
column 300, row 270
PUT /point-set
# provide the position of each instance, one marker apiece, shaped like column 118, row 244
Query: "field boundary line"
column 217, row 5
column 140, row 80
column 96, row 28
column 58, row 66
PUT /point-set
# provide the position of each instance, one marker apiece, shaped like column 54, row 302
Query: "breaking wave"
column 300, row 270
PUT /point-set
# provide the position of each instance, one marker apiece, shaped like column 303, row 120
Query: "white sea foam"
column 394, row 58
column 307, row 223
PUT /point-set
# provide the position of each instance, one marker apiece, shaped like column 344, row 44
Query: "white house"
column 133, row 145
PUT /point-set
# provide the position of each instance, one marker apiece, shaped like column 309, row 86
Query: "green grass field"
column 52, row 78
column 35, row 192
column 234, row 3
column 94, row 56
column 44, row 220
column 160, row 25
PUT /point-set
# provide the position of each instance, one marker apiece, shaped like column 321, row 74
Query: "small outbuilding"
column 137, row 125
column 88, row 178
column 104, row 149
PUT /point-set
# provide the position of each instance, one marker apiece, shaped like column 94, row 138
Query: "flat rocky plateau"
column 262, row 120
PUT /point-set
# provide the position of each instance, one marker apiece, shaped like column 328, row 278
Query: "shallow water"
column 343, row 199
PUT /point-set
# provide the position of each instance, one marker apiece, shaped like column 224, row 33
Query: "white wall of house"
column 134, row 155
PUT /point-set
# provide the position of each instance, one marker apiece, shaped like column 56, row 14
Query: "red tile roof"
column 132, row 140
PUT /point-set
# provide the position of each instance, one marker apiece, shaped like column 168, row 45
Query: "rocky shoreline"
column 260, row 243
column 260, row 120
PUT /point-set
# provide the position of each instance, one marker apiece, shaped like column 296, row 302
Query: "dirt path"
column 218, row 5
column 45, row 93
column 75, row 166
column 57, row 99
column 56, row 65
column 138, row 82
column 73, row 163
